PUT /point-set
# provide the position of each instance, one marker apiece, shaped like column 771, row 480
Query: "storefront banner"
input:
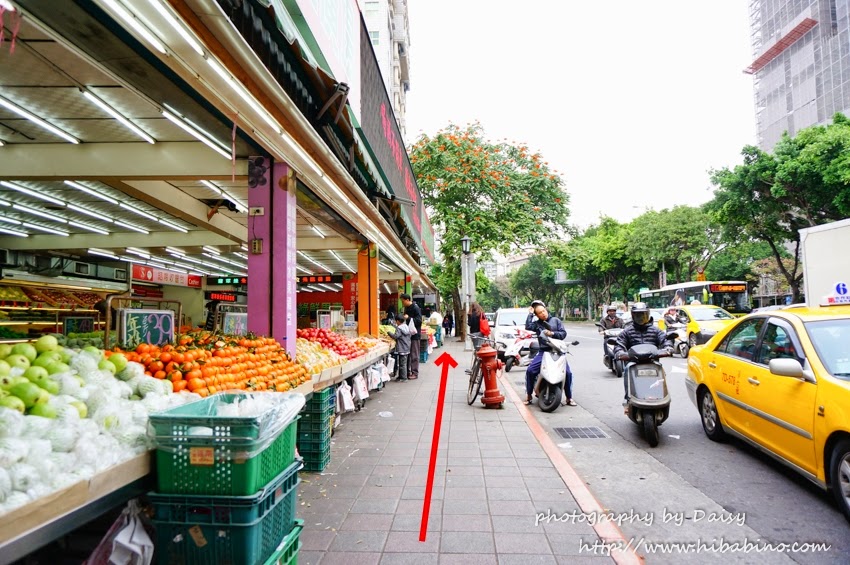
column 161, row 276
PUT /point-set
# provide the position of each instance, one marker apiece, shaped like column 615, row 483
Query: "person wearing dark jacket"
column 411, row 311
column 540, row 322
column 639, row 331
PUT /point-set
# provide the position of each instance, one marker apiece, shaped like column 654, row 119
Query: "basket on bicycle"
column 479, row 340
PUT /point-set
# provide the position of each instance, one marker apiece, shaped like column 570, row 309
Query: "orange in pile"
column 207, row 363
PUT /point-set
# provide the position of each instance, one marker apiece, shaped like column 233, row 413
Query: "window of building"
column 374, row 36
column 371, row 8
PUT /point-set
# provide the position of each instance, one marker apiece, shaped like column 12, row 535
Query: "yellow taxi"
column 780, row 381
column 701, row 321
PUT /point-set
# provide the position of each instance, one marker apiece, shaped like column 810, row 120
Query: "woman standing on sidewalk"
column 473, row 321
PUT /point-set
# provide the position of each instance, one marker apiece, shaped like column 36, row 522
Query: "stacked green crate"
column 314, row 430
column 227, row 486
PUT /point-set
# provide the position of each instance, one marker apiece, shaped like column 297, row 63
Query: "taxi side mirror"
column 790, row 368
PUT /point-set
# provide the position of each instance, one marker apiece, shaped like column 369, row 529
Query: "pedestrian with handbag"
column 412, row 312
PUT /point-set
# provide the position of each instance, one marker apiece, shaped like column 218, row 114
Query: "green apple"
column 119, row 361
column 5, row 368
column 14, row 403
column 67, row 354
column 18, row 360
column 57, row 367
column 105, row 365
column 5, row 350
column 50, row 385
column 29, row 392
column 25, row 349
column 46, row 358
column 35, row 373
column 93, row 351
column 8, row 381
column 46, row 343
column 81, row 407
column 44, row 410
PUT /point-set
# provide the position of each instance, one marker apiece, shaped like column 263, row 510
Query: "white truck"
column 826, row 263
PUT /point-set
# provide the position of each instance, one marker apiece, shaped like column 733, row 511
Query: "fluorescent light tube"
column 172, row 226
column 89, row 228
column 114, row 113
column 35, row 119
column 211, row 186
column 137, row 25
column 315, row 229
column 212, row 250
column 103, row 252
column 243, row 93
column 32, row 193
column 184, row 33
column 90, row 191
column 39, row 213
column 48, row 230
column 130, row 227
column 13, row 232
column 184, row 125
column 175, row 250
column 87, row 212
column 137, row 211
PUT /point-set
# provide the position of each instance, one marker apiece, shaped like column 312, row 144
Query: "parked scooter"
column 553, row 373
column 648, row 401
column 610, row 338
column 522, row 351
column 680, row 341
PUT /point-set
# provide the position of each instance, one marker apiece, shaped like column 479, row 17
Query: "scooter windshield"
column 648, row 384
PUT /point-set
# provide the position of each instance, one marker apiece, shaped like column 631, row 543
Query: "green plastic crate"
column 320, row 435
column 316, row 461
column 287, row 551
column 234, row 510
column 314, row 442
column 201, row 539
column 197, row 423
column 216, row 468
column 312, row 426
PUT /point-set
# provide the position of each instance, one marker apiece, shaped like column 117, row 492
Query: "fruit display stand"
column 30, row 527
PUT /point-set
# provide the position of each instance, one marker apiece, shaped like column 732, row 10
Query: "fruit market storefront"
column 175, row 158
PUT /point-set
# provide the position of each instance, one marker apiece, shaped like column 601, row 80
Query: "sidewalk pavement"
column 492, row 479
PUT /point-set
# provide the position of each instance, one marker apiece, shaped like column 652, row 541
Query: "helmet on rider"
column 611, row 309
column 640, row 314
column 537, row 303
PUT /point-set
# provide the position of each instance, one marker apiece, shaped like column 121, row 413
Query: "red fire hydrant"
column 489, row 362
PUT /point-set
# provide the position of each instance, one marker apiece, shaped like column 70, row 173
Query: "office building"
column 801, row 64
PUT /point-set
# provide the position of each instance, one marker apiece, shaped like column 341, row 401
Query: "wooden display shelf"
column 41, row 521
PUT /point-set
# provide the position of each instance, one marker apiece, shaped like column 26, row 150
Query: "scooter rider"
column 640, row 330
column 541, row 323
column 609, row 322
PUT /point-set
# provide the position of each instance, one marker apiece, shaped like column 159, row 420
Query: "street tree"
column 502, row 196
column 682, row 240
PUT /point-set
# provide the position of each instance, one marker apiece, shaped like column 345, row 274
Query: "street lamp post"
column 465, row 246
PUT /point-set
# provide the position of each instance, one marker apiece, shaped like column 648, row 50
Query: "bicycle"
column 475, row 376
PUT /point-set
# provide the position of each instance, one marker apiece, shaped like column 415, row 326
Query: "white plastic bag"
column 385, row 373
column 390, row 366
column 346, row 402
column 412, row 326
column 361, row 390
column 374, row 378
column 126, row 543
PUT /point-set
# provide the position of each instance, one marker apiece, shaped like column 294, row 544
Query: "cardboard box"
column 46, row 509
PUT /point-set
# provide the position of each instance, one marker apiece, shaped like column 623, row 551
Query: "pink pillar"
column 271, row 272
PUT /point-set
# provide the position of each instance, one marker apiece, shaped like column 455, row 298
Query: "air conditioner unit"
column 120, row 275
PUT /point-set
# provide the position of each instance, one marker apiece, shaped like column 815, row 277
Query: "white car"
column 508, row 320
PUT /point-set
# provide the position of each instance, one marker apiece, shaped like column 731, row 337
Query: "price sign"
column 155, row 327
column 77, row 324
column 235, row 323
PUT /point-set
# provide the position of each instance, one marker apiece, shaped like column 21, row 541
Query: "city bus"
column 732, row 296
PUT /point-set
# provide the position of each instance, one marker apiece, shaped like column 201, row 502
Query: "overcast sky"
column 631, row 101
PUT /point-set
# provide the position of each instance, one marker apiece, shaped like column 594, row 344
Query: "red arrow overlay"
column 446, row 361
